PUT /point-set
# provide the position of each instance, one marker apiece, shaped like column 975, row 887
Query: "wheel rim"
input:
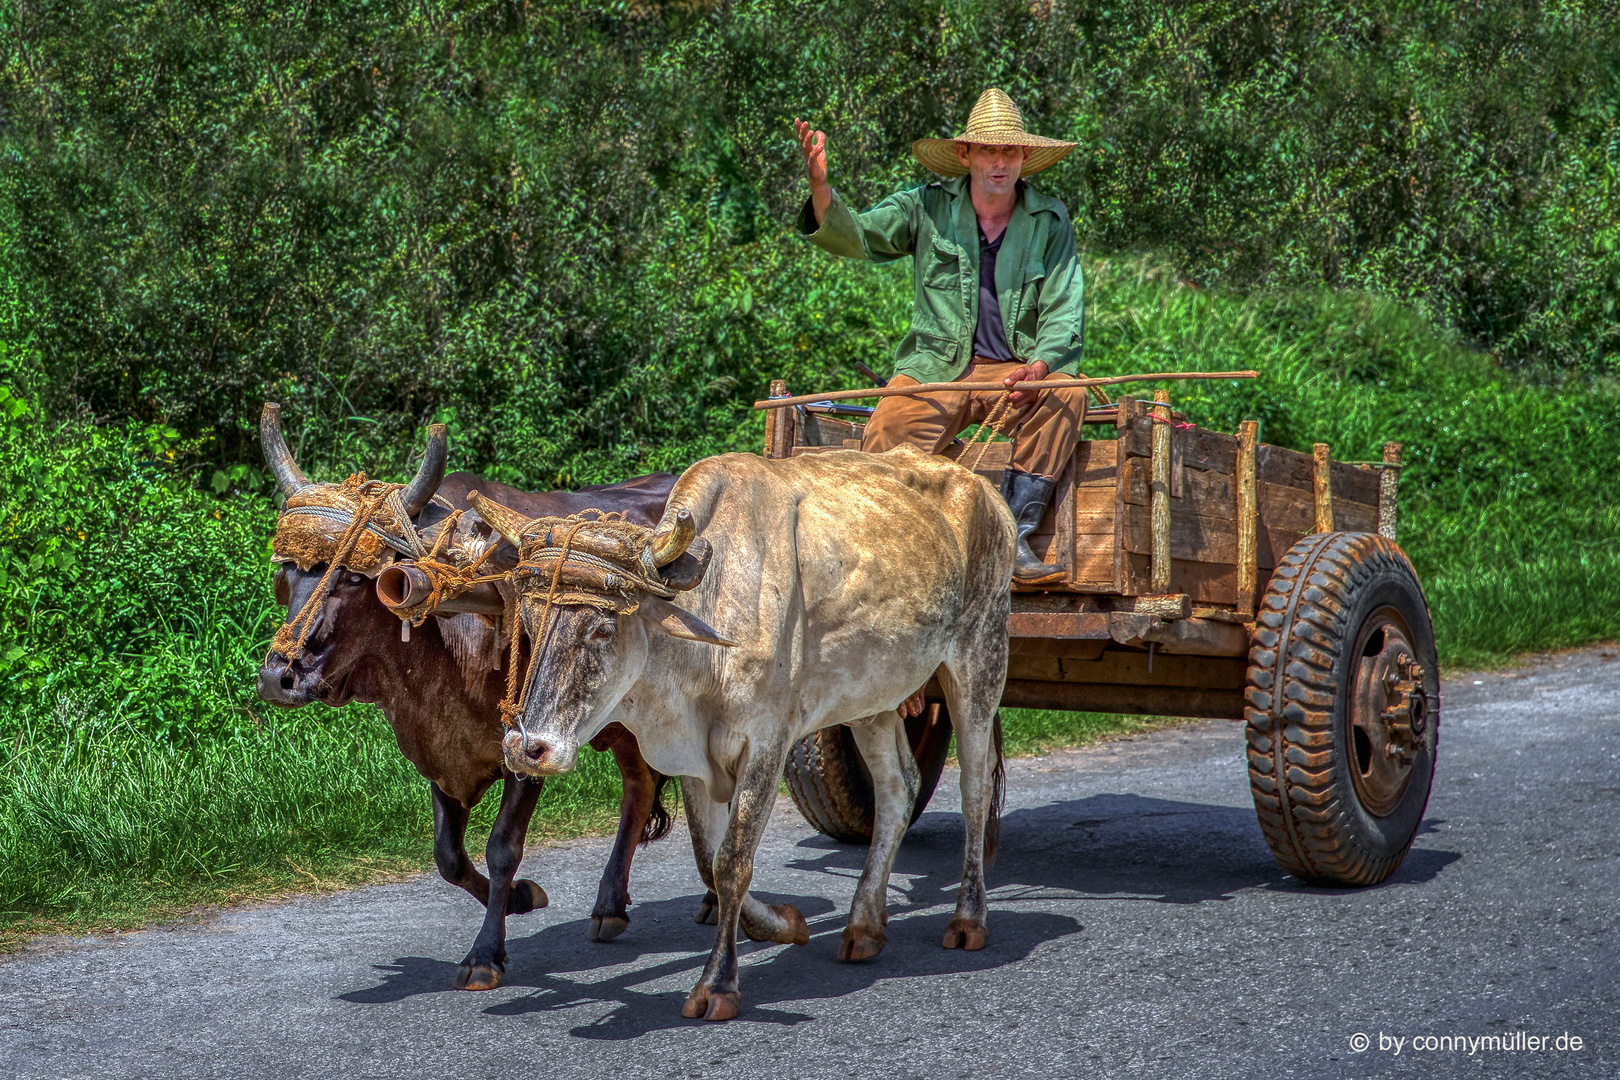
column 1387, row 714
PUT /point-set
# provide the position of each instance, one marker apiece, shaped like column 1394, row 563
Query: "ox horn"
column 672, row 537
column 289, row 477
column 678, row 622
column 430, row 474
column 503, row 519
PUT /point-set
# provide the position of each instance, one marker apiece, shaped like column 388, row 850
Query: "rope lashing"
column 373, row 495
column 605, row 571
column 447, row 577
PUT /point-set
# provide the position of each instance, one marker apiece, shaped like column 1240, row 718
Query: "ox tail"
column 998, row 794
column 659, row 820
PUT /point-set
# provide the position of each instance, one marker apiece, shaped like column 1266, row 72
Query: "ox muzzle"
column 528, row 754
column 293, row 684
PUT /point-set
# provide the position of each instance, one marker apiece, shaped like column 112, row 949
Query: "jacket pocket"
column 940, row 267
column 926, row 352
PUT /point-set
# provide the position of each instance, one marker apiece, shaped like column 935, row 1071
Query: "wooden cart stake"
column 1248, row 517
column 1161, row 493
column 779, row 424
column 1324, row 488
column 1389, row 479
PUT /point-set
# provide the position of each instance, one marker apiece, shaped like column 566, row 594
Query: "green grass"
column 111, row 829
column 1035, row 731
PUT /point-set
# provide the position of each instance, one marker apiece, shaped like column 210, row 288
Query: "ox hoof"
column 708, row 913
column 479, row 976
column 792, row 931
column 966, row 934
column 608, row 928
column 526, row 896
column 861, row 943
column 704, row 1004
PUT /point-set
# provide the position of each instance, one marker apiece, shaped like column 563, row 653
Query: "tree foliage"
column 563, row 227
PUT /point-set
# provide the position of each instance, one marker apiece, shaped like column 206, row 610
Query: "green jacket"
column 1037, row 276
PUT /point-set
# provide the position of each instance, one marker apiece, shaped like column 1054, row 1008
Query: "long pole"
column 963, row 388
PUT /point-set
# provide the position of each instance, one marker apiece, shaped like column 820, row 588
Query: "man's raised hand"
column 813, row 145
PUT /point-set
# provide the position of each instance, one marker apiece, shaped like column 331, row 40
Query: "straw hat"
column 994, row 121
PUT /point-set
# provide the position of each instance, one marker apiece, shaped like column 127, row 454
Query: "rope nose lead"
column 517, row 694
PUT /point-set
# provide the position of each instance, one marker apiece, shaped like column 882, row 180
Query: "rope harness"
column 449, row 575
column 594, row 558
column 372, row 496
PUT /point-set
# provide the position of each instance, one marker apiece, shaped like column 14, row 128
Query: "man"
column 997, row 299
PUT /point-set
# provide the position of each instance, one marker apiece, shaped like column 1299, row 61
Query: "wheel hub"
column 1388, row 717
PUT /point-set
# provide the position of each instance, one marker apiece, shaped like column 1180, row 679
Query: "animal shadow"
column 1107, row 846
column 655, row 965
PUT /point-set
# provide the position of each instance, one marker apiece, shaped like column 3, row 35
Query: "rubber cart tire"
column 832, row 788
column 1343, row 709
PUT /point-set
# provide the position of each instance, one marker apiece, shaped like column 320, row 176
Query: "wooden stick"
column 1323, row 483
column 1160, row 487
column 779, row 436
column 773, row 420
column 967, row 388
column 1388, row 489
column 1248, row 519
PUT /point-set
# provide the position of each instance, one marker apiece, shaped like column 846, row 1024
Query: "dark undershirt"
column 989, row 336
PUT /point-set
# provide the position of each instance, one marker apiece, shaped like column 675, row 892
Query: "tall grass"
column 110, row 826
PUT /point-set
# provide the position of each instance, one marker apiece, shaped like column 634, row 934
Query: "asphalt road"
column 1139, row 928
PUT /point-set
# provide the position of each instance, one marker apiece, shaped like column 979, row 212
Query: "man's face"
column 994, row 169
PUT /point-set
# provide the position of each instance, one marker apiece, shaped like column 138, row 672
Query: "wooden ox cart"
column 1205, row 575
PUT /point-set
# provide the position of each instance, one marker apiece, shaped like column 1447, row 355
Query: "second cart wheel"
column 1343, row 709
column 832, row 788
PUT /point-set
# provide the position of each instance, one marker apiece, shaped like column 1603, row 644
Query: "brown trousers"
column 1045, row 431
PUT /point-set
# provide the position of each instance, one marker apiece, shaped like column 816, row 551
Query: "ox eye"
column 357, row 579
column 604, row 630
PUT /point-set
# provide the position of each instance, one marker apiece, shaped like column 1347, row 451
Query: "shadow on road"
column 1105, row 847
column 663, row 943
column 1110, row 846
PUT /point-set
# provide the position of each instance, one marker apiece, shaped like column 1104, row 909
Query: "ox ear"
column 687, row 571
column 677, row 622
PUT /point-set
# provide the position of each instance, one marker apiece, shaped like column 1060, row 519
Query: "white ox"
column 845, row 581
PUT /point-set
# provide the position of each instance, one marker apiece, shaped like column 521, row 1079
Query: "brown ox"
column 845, row 581
column 440, row 692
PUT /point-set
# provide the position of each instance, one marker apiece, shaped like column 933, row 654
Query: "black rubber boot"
column 1027, row 496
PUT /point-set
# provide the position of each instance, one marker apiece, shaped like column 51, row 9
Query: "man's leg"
column 1047, row 433
column 928, row 422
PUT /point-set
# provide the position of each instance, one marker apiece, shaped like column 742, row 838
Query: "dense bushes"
column 563, row 225
column 103, row 535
